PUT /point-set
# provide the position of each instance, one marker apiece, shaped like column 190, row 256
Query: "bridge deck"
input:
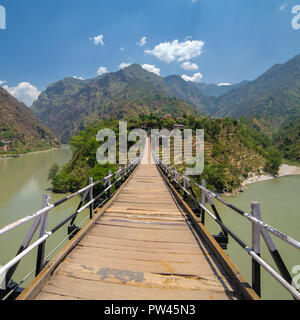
column 143, row 247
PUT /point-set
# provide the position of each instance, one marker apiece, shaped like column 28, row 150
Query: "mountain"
column 20, row 131
column 271, row 99
column 188, row 91
column 72, row 104
column 214, row 90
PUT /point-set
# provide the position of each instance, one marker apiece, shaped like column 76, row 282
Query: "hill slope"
column 272, row 98
column 71, row 104
column 20, row 127
column 188, row 91
column 232, row 150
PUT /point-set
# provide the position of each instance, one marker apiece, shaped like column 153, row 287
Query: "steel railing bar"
column 252, row 219
column 259, row 260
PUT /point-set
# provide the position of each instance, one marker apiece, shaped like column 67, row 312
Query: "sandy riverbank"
column 285, row 170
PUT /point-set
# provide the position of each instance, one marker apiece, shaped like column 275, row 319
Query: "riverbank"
column 284, row 170
column 26, row 154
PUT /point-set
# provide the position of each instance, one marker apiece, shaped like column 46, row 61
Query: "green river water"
column 23, row 181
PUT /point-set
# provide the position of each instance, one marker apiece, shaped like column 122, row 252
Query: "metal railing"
column 88, row 200
column 182, row 183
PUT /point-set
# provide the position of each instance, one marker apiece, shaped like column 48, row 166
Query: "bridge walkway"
column 142, row 247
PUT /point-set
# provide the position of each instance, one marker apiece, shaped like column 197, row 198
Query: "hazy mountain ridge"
column 214, row 90
column 20, row 128
column 272, row 97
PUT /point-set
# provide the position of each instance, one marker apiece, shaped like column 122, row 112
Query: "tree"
column 53, row 171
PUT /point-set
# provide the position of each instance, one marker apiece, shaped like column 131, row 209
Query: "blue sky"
column 214, row 41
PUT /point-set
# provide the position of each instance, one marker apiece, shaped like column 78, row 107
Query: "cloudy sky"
column 214, row 41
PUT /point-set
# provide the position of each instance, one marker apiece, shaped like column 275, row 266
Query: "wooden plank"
column 143, row 279
column 92, row 290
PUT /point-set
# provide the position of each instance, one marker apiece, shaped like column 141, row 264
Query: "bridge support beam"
column 256, row 272
column 43, row 230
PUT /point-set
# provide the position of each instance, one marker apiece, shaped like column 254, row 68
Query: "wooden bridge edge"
column 232, row 271
column 38, row 283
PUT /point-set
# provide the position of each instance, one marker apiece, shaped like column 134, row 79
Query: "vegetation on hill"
column 75, row 174
column 20, row 131
column 287, row 139
column 232, row 151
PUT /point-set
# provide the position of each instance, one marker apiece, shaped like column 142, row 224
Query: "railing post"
column 91, row 197
column 184, row 186
column 256, row 272
column 122, row 175
column 43, row 229
column 119, row 177
column 109, row 184
column 276, row 255
column 203, row 201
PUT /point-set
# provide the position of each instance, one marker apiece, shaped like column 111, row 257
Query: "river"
column 280, row 207
column 23, row 181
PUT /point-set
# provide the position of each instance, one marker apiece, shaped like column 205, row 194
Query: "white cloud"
column 122, row 49
column 2, row 82
column 189, row 66
column 224, row 84
column 24, row 92
column 142, row 42
column 194, row 1
column 197, row 77
column 78, row 78
column 151, row 68
column 124, row 65
column 98, row 40
column 282, row 7
column 101, row 71
column 182, row 51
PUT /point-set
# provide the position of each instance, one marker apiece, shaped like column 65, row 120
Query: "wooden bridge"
column 145, row 243
column 141, row 245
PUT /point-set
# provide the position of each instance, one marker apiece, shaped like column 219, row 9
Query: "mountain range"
column 72, row 104
column 270, row 102
column 20, row 131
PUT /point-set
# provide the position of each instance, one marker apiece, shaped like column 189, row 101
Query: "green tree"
column 53, row 171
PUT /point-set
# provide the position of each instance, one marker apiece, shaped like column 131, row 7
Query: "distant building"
column 5, row 145
column 168, row 116
column 4, row 148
